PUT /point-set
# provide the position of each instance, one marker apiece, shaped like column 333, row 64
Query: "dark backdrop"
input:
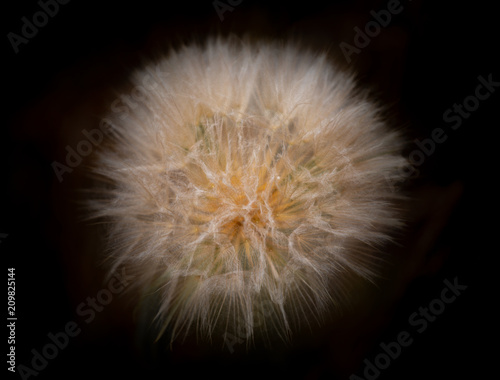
column 428, row 59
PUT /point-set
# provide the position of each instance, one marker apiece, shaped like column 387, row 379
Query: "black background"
column 449, row 46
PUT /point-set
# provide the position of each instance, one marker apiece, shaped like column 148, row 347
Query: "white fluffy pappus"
column 248, row 187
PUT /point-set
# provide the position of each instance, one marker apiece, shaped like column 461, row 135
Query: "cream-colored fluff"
column 248, row 187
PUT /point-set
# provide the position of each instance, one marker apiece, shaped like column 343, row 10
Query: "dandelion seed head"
column 247, row 185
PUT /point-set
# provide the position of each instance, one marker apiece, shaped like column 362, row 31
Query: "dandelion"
column 250, row 176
